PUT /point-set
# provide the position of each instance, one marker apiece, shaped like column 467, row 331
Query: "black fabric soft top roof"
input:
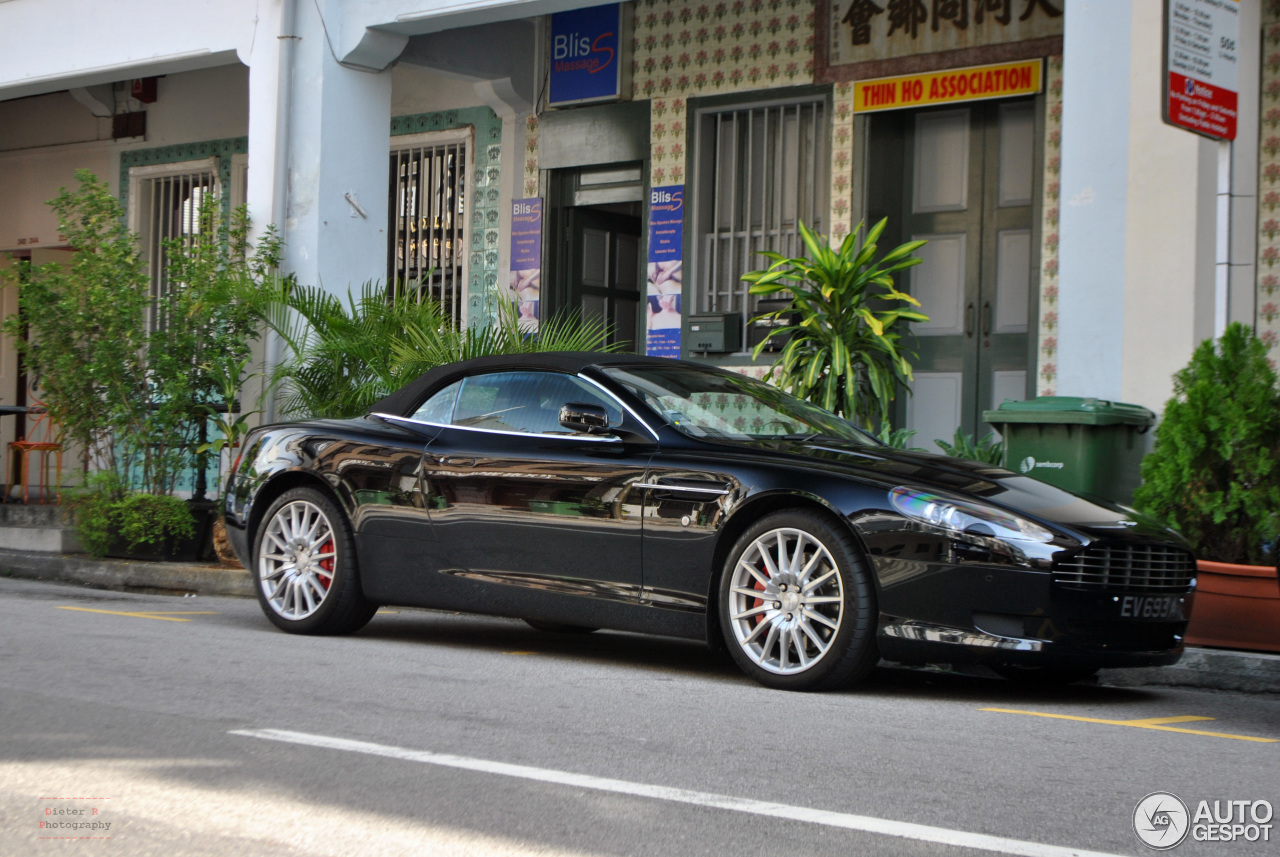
column 411, row 395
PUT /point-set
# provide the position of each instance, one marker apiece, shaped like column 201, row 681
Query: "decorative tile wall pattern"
column 1267, row 319
column 841, row 217
column 531, row 183
column 689, row 48
column 1048, row 353
column 667, row 135
column 484, row 190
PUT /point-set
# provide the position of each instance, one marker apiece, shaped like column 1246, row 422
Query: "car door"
column 524, row 508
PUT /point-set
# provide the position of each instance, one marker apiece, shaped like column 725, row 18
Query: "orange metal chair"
column 23, row 449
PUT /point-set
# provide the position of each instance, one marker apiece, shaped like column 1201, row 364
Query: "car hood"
column 1038, row 500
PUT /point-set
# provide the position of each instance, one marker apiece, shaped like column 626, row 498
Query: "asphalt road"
column 437, row 734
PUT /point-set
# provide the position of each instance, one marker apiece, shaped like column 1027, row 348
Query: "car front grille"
column 1127, row 568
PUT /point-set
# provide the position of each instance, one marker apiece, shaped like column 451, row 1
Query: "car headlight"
column 966, row 518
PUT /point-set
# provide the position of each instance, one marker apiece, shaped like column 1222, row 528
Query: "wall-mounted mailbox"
column 714, row 333
column 759, row 327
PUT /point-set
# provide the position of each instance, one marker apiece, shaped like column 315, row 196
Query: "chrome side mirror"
column 579, row 416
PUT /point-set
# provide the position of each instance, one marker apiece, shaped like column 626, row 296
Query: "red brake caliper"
column 755, row 584
column 327, row 563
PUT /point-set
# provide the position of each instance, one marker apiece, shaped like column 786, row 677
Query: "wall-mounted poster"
column 665, row 271
column 526, row 260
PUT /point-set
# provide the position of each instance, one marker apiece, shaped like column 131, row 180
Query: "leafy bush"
column 106, row 512
column 843, row 354
column 342, row 356
column 1214, row 473
column 897, row 438
column 132, row 396
column 989, row 449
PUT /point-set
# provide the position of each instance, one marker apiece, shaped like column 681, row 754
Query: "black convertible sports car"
column 585, row 491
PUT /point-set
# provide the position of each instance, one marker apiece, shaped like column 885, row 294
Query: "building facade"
column 1078, row 243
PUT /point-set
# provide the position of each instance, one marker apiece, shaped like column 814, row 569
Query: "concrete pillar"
column 339, row 136
column 1139, row 213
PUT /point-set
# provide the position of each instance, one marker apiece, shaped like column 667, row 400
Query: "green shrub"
column 106, row 512
column 988, row 450
column 1214, row 473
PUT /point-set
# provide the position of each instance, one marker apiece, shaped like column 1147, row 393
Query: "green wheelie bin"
column 1089, row 446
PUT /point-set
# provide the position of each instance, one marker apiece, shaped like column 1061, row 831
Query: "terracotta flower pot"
column 1236, row 607
column 222, row 545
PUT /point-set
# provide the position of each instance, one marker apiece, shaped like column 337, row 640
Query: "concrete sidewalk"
column 1216, row 669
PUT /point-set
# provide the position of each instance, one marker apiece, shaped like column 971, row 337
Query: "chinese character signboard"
column 864, row 30
column 1201, row 71
column 526, row 260
column 589, row 60
column 665, row 271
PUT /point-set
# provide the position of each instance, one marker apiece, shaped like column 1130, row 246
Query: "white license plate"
column 1150, row 607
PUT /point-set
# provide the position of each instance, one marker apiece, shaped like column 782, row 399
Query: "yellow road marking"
column 163, row 616
column 1148, row 723
column 519, row 653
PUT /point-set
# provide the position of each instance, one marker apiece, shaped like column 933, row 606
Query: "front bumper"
column 973, row 614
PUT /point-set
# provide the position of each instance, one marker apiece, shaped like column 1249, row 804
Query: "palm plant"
column 843, row 353
column 989, row 450
column 344, row 355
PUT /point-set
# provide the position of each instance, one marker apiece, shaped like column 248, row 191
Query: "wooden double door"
column 964, row 179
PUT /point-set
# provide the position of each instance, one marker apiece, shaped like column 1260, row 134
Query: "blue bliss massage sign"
column 586, row 60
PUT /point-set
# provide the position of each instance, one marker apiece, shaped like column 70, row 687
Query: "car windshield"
column 723, row 406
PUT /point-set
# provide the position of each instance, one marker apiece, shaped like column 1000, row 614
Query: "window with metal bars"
column 428, row 240
column 168, row 204
column 758, row 172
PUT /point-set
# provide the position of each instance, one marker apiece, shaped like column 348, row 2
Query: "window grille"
column 428, row 223
column 170, row 203
column 759, row 172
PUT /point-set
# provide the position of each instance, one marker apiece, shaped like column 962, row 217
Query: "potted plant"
column 133, row 394
column 841, row 326
column 1214, row 475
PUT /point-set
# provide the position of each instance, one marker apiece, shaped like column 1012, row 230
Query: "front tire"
column 304, row 565
column 797, row 605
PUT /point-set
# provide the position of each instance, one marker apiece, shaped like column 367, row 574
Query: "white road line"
column 884, row 827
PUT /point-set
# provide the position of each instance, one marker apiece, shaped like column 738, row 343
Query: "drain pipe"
column 288, row 40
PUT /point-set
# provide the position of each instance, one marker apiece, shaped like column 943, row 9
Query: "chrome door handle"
column 968, row 320
column 689, row 489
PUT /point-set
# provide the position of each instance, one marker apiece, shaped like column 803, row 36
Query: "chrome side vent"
column 1128, row 568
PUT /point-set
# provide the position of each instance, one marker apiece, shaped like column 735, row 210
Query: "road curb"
column 1215, row 669
column 127, row 575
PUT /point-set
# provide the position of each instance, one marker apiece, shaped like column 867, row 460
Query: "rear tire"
column 797, row 604
column 559, row 628
column 304, row 567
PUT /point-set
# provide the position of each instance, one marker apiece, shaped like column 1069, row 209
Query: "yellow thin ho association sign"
column 943, row 87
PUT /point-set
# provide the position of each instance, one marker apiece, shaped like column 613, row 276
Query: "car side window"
column 439, row 408
column 527, row 402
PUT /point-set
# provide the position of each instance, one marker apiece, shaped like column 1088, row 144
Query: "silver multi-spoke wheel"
column 786, row 601
column 296, row 560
